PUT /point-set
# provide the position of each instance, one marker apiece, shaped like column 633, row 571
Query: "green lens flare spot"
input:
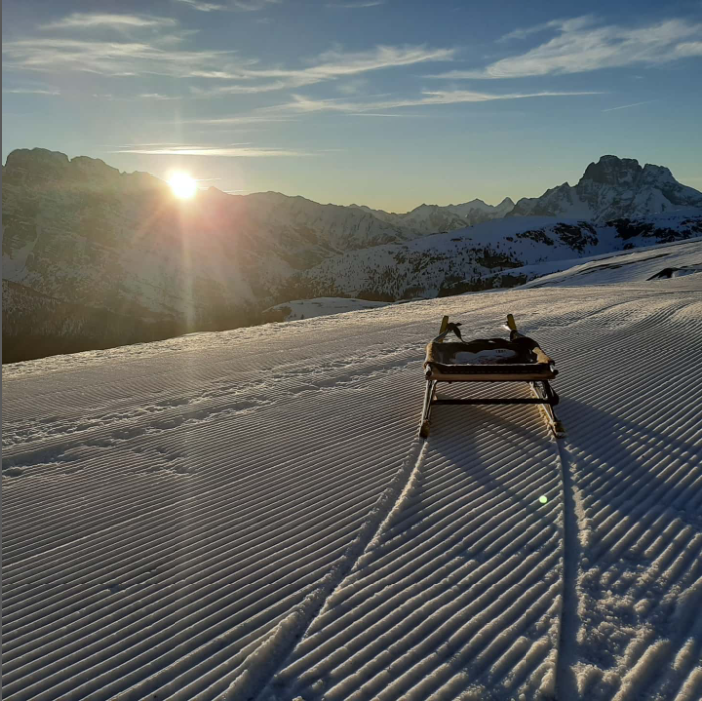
column 543, row 499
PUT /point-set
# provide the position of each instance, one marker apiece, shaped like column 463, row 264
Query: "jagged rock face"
column 36, row 168
column 331, row 227
column 613, row 171
column 614, row 188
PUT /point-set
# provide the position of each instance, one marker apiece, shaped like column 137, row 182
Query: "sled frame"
column 543, row 396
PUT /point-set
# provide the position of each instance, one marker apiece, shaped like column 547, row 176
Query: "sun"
column 183, row 185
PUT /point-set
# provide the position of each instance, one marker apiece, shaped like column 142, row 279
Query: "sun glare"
column 183, row 186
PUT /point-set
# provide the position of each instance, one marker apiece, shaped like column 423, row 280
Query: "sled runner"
column 519, row 359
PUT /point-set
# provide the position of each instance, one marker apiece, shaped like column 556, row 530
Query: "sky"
column 387, row 103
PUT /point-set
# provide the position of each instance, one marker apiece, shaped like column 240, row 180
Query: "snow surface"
column 508, row 247
column 659, row 257
column 639, row 265
column 250, row 514
column 321, row 306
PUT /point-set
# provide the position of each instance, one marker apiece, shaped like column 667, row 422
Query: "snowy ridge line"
column 622, row 266
column 185, row 352
column 255, row 680
column 223, row 389
column 178, row 353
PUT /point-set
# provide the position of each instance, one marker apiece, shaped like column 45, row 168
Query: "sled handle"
column 511, row 323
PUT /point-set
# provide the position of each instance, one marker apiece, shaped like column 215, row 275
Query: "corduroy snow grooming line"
column 519, row 359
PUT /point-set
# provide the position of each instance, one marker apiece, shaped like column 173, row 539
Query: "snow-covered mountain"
column 94, row 258
column 614, row 188
column 432, row 218
column 493, row 254
column 83, row 243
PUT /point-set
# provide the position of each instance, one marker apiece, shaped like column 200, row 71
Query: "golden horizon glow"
column 183, row 185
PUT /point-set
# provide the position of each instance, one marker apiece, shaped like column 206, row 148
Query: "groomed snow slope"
column 320, row 306
column 631, row 266
column 636, row 266
column 250, row 514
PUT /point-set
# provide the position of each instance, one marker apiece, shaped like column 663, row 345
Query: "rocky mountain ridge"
column 93, row 257
column 433, row 218
column 614, row 188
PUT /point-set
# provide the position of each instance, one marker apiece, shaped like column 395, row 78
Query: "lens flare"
column 184, row 187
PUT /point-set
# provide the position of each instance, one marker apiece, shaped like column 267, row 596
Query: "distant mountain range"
column 614, row 188
column 432, row 218
column 93, row 257
column 500, row 253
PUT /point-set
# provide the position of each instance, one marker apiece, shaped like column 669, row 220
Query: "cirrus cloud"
column 329, row 65
column 302, row 104
column 85, row 20
column 583, row 46
column 202, row 6
column 233, row 150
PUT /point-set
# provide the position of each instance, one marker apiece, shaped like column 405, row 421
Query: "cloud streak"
column 124, row 58
column 689, row 48
column 83, row 20
column 242, row 5
column 302, row 104
column 356, row 5
column 569, row 25
column 201, row 6
column 233, row 151
column 330, row 65
column 334, row 64
column 581, row 46
column 163, row 54
column 250, row 118
column 32, row 91
column 253, row 5
column 626, row 107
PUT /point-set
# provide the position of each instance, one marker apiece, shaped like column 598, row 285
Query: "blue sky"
column 387, row 103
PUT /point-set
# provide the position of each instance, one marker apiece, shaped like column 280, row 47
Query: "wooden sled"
column 519, row 359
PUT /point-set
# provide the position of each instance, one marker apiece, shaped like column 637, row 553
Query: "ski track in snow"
column 250, row 514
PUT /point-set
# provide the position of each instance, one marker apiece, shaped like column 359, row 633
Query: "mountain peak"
column 613, row 188
column 40, row 165
column 40, row 162
column 611, row 170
